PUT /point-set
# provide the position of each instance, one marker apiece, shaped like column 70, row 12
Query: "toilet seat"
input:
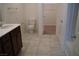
column 31, row 26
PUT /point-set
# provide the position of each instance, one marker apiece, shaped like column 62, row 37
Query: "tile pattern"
column 45, row 45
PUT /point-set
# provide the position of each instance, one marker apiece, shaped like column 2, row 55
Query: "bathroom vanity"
column 10, row 40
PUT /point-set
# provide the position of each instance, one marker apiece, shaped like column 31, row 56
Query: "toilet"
column 31, row 25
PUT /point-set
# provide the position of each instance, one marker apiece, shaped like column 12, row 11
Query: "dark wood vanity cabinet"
column 11, row 43
column 0, row 49
column 16, row 40
column 5, row 43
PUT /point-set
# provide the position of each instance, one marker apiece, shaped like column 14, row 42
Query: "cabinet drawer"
column 15, row 44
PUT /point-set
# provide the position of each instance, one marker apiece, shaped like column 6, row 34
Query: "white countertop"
column 7, row 28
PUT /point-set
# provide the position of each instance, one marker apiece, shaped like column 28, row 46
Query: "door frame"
column 40, row 19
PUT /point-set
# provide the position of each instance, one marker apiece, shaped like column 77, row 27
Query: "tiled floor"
column 45, row 45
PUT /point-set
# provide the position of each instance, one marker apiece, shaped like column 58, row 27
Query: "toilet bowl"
column 31, row 25
column 30, row 28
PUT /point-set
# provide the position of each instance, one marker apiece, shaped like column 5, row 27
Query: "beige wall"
column 50, row 14
column 26, row 12
column 19, row 13
column 31, row 12
column 13, row 13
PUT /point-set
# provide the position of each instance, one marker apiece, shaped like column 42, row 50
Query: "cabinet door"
column 8, row 48
column 16, row 40
column 1, row 50
column 6, row 45
column 19, row 39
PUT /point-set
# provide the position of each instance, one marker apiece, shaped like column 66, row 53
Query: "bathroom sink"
column 5, row 26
